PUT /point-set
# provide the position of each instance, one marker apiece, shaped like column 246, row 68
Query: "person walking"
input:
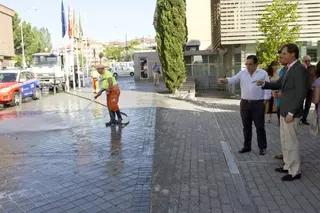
column 311, row 78
column 110, row 85
column 156, row 74
column 252, row 108
column 293, row 85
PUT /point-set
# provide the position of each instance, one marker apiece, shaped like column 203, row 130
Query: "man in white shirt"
column 252, row 108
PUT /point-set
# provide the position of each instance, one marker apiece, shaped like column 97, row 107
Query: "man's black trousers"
column 253, row 111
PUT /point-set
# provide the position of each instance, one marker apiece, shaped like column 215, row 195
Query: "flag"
column 80, row 28
column 74, row 26
column 63, row 20
column 69, row 23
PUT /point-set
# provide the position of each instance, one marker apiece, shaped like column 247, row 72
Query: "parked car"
column 14, row 83
column 127, row 71
column 122, row 68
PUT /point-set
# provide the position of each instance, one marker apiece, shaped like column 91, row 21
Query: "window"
column 144, row 68
column 23, row 77
column 8, row 77
column 45, row 60
column 29, row 76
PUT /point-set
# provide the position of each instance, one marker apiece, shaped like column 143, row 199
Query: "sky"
column 103, row 20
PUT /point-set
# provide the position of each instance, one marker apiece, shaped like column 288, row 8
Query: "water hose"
column 97, row 102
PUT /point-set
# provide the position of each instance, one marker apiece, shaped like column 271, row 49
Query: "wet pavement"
column 56, row 155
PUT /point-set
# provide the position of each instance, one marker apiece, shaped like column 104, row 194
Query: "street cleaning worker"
column 110, row 85
column 95, row 82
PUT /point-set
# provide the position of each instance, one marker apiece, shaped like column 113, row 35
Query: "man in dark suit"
column 293, row 85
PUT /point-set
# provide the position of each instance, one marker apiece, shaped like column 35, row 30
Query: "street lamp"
column 22, row 42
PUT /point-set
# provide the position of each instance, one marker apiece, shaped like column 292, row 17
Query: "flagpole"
column 86, row 46
column 73, row 64
column 87, row 65
column 78, row 64
column 82, row 56
column 64, row 43
column 82, row 62
column 66, row 65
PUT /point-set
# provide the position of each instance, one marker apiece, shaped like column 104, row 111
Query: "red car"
column 16, row 83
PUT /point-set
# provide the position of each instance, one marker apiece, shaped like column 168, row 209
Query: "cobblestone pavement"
column 173, row 157
column 267, row 191
column 193, row 172
column 56, row 155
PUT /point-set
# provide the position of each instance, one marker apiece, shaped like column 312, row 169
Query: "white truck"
column 49, row 70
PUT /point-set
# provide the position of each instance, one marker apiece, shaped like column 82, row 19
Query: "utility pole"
column 22, row 45
column 126, row 47
column 24, row 64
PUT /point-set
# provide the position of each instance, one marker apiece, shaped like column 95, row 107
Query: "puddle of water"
column 29, row 124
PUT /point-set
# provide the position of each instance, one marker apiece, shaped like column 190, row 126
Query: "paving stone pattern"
column 266, row 189
column 74, row 163
column 57, row 156
column 190, row 172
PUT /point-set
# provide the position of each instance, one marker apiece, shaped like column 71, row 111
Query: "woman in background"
column 271, row 106
column 316, row 90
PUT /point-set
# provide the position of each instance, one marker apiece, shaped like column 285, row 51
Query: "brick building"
column 6, row 36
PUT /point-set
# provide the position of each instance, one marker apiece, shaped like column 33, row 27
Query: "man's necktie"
column 284, row 75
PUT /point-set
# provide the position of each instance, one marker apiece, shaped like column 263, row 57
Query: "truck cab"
column 48, row 68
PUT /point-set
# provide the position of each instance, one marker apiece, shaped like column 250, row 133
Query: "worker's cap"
column 100, row 66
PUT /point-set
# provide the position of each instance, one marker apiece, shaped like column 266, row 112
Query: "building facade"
column 228, row 29
column 235, row 27
column 6, row 37
column 198, row 15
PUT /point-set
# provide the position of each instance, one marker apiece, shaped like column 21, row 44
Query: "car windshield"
column 44, row 60
column 8, row 77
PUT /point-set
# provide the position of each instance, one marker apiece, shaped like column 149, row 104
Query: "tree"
column 42, row 39
column 171, row 37
column 114, row 53
column 131, row 49
column 34, row 40
column 100, row 56
column 27, row 38
column 277, row 26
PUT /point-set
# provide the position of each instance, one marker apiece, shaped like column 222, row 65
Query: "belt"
column 252, row 101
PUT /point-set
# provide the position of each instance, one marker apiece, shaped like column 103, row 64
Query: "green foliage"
column 114, row 53
column 171, row 37
column 278, row 28
column 35, row 40
column 131, row 49
column 132, row 44
column 42, row 39
column 118, row 53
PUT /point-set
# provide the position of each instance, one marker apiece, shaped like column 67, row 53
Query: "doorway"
column 144, row 71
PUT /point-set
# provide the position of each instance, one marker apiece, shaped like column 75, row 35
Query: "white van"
column 122, row 68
